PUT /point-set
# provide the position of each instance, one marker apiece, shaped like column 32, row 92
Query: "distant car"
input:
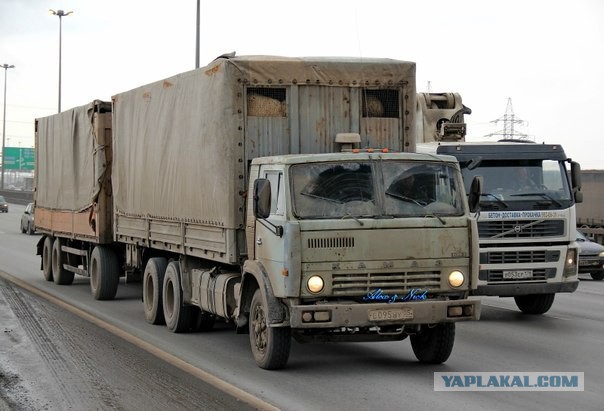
column 27, row 220
column 3, row 205
column 591, row 257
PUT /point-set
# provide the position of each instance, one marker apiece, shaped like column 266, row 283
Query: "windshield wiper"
column 405, row 198
column 355, row 218
column 499, row 200
column 544, row 195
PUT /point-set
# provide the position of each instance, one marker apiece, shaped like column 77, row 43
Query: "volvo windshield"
column 520, row 184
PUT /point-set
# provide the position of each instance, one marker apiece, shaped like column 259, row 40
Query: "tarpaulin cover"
column 69, row 163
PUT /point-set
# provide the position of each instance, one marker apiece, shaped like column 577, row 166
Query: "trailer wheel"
column 270, row 345
column 59, row 274
column 47, row 258
column 104, row 273
column 178, row 316
column 535, row 303
column 434, row 345
column 153, row 281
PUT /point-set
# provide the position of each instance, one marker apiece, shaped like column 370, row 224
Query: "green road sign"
column 17, row 158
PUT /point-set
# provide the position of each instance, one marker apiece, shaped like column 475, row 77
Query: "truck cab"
column 361, row 247
column 527, row 219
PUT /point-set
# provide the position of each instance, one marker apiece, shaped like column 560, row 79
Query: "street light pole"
column 61, row 14
column 5, row 67
column 197, row 39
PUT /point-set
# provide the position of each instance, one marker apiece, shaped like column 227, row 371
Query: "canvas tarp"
column 69, row 162
column 178, row 146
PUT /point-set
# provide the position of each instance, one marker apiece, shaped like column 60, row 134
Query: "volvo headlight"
column 456, row 279
column 570, row 263
column 315, row 284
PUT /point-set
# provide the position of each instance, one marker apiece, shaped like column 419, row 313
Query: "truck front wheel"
column 47, row 258
column 597, row 275
column 434, row 345
column 535, row 303
column 153, row 282
column 177, row 314
column 104, row 273
column 59, row 274
column 270, row 345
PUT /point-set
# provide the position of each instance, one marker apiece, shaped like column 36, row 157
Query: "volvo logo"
column 517, row 228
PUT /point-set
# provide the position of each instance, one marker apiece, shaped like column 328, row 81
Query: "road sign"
column 18, row 158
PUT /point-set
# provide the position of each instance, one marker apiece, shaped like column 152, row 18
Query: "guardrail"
column 17, row 197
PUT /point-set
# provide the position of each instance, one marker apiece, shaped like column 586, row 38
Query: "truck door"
column 269, row 244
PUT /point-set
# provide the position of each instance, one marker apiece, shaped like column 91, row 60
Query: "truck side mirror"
column 262, row 198
column 475, row 193
column 575, row 178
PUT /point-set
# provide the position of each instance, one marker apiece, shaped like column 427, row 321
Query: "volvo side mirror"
column 475, row 193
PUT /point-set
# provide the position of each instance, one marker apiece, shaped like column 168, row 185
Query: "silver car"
column 27, row 220
column 3, row 205
column 591, row 257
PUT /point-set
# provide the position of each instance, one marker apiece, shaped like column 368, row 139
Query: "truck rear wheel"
column 270, row 345
column 535, row 303
column 59, row 274
column 47, row 258
column 434, row 345
column 104, row 273
column 178, row 316
column 153, row 281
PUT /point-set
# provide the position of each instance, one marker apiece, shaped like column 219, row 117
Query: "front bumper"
column 511, row 290
column 336, row 315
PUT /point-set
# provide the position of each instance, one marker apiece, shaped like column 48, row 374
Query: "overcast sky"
column 546, row 55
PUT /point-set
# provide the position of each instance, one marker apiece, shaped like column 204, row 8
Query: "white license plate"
column 517, row 274
column 391, row 314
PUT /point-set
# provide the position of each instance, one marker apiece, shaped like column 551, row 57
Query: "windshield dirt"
column 375, row 189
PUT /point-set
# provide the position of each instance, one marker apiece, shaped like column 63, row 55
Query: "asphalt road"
column 355, row 376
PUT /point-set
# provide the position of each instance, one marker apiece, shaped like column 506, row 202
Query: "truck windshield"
column 520, row 184
column 375, row 189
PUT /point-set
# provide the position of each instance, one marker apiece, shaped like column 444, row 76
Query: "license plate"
column 391, row 314
column 517, row 274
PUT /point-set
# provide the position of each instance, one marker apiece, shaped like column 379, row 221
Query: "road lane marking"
column 205, row 376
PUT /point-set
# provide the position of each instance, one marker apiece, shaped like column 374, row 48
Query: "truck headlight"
column 456, row 279
column 315, row 284
column 570, row 263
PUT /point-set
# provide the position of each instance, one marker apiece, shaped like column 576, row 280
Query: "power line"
column 509, row 120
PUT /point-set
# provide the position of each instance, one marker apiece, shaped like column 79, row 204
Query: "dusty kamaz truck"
column 272, row 193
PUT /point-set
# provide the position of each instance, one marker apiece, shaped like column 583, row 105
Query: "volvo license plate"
column 517, row 274
column 391, row 314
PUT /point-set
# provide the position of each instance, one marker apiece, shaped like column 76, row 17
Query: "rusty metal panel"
column 323, row 112
column 267, row 136
column 381, row 132
column 67, row 224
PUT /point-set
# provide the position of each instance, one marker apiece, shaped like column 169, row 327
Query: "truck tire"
column 597, row 275
column 177, row 315
column 270, row 345
column 535, row 303
column 59, row 274
column 47, row 258
column 434, row 345
column 104, row 273
column 153, row 282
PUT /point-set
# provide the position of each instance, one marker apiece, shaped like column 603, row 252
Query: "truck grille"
column 333, row 242
column 520, row 228
column 519, row 256
column 390, row 283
